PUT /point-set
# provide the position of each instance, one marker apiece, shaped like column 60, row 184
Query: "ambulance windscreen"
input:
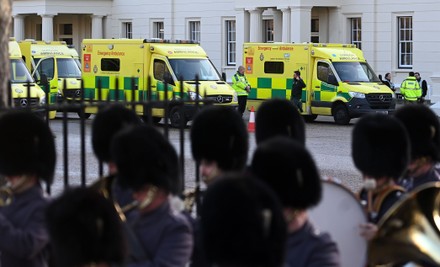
column 187, row 69
column 19, row 72
column 355, row 72
column 68, row 68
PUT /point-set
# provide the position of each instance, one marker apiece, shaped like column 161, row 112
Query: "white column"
column 241, row 32
column 47, row 27
column 256, row 23
column 335, row 25
column 301, row 23
column 286, row 25
column 277, row 25
column 97, row 26
column 19, row 27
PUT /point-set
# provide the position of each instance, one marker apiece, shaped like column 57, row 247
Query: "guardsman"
column 242, row 224
column 423, row 127
column 381, row 151
column 287, row 167
column 242, row 87
column 147, row 164
column 410, row 89
column 279, row 117
column 85, row 230
column 27, row 158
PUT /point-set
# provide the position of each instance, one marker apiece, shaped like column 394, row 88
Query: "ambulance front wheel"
column 340, row 114
column 176, row 117
column 83, row 114
column 310, row 118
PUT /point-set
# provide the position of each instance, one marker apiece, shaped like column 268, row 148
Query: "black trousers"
column 242, row 99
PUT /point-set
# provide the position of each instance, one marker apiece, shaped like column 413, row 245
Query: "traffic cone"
column 251, row 124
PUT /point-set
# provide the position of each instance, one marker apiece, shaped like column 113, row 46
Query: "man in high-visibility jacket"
column 410, row 89
column 242, row 87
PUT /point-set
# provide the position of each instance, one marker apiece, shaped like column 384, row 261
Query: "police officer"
column 410, row 89
column 85, row 230
column 147, row 164
column 242, row 224
column 423, row 127
column 287, row 167
column 242, row 87
column 380, row 150
column 279, row 117
column 27, row 157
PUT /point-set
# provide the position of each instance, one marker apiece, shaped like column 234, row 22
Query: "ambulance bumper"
column 358, row 107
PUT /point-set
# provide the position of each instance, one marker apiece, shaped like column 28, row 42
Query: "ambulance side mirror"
column 332, row 80
column 168, row 78
column 224, row 76
column 43, row 79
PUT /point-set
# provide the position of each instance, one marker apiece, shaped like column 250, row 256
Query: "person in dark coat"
column 27, row 158
column 147, row 164
column 85, row 230
column 287, row 167
column 297, row 86
column 423, row 127
column 380, row 151
column 242, row 224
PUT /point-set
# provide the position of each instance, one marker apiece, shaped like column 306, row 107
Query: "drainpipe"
column 5, row 27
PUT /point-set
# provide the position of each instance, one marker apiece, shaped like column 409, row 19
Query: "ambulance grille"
column 72, row 93
column 221, row 99
column 379, row 101
column 25, row 102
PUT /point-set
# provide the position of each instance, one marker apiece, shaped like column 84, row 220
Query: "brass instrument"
column 410, row 230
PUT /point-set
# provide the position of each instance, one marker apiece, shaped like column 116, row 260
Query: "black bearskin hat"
column 106, row 124
column 380, row 146
column 423, row 129
column 242, row 223
column 279, row 117
column 289, row 169
column 143, row 156
column 84, row 228
column 27, row 146
column 219, row 134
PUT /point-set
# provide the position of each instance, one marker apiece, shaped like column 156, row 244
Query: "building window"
column 127, row 30
column 231, row 42
column 65, row 33
column 314, row 37
column 405, row 33
column 268, row 31
column 194, row 31
column 158, row 30
column 356, row 32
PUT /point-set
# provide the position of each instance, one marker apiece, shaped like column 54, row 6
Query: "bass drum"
column 340, row 213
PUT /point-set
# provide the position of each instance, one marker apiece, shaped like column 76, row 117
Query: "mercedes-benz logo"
column 219, row 99
column 23, row 102
column 78, row 93
column 381, row 98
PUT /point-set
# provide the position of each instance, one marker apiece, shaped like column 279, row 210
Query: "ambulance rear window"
column 110, row 64
column 274, row 67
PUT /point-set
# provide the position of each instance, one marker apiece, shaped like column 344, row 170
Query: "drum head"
column 339, row 213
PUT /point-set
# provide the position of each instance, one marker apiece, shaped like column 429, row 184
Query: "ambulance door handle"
column 317, row 87
column 153, row 86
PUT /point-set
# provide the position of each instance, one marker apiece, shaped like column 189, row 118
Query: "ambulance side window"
column 161, row 72
column 274, row 67
column 325, row 73
column 110, row 64
column 46, row 67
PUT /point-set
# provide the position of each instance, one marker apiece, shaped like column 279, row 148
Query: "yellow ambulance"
column 56, row 61
column 20, row 79
column 131, row 61
column 339, row 81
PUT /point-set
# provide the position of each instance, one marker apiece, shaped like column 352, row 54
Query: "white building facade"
column 397, row 36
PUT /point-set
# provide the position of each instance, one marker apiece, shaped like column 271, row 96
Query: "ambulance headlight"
column 356, row 95
column 235, row 97
column 194, row 96
column 42, row 100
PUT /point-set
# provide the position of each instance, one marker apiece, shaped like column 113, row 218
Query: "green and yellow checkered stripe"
column 267, row 88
